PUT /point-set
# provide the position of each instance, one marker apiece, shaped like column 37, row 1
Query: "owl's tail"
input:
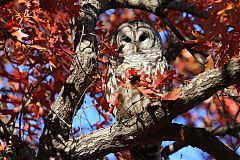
column 146, row 152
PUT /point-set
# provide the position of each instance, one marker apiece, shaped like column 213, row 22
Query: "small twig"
column 235, row 118
column 172, row 148
column 68, row 125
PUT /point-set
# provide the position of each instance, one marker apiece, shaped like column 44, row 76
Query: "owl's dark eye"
column 127, row 39
column 143, row 37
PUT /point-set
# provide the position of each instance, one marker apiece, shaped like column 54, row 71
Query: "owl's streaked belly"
column 131, row 100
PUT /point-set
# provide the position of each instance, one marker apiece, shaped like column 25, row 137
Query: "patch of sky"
column 198, row 28
column 10, row 106
column 55, row 96
column 39, row 121
column 238, row 150
column 186, row 153
column 196, row 112
column 47, row 65
column 1, row 53
column 87, row 115
column 180, row 119
column 9, row 68
column 184, row 14
column 23, row 68
column 210, row 7
column 230, row 29
column 111, row 156
column 110, row 11
column 152, row 17
column 3, row 83
column 102, row 16
column 163, row 35
column 27, row 41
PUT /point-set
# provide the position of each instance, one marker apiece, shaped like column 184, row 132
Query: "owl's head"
column 136, row 37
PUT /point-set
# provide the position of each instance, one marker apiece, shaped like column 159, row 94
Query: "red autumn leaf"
column 14, row 85
column 210, row 63
column 17, row 74
column 228, row 7
column 114, row 50
column 173, row 95
column 163, row 79
column 98, row 125
column 231, row 106
column 132, row 72
column 122, row 82
column 204, row 46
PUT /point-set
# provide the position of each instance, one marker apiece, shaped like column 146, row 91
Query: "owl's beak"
column 135, row 48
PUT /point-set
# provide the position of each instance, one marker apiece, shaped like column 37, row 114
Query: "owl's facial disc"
column 135, row 40
column 145, row 39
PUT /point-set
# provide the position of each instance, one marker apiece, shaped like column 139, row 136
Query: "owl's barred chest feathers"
column 145, row 64
column 132, row 101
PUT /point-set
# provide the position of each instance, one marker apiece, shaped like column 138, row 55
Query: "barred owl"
column 140, row 48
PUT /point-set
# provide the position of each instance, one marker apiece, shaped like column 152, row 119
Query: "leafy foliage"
column 35, row 53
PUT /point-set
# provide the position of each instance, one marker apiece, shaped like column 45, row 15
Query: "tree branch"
column 150, row 127
column 71, row 95
column 233, row 130
column 204, row 140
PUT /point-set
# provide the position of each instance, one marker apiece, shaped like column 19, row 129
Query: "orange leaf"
column 162, row 79
column 132, row 72
column 210, row 63
column 19, row 34
column 198, row 35
column 173, row 95
column 231, row 106
column 146, row 91
column 1, row 148
column 228, row 7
